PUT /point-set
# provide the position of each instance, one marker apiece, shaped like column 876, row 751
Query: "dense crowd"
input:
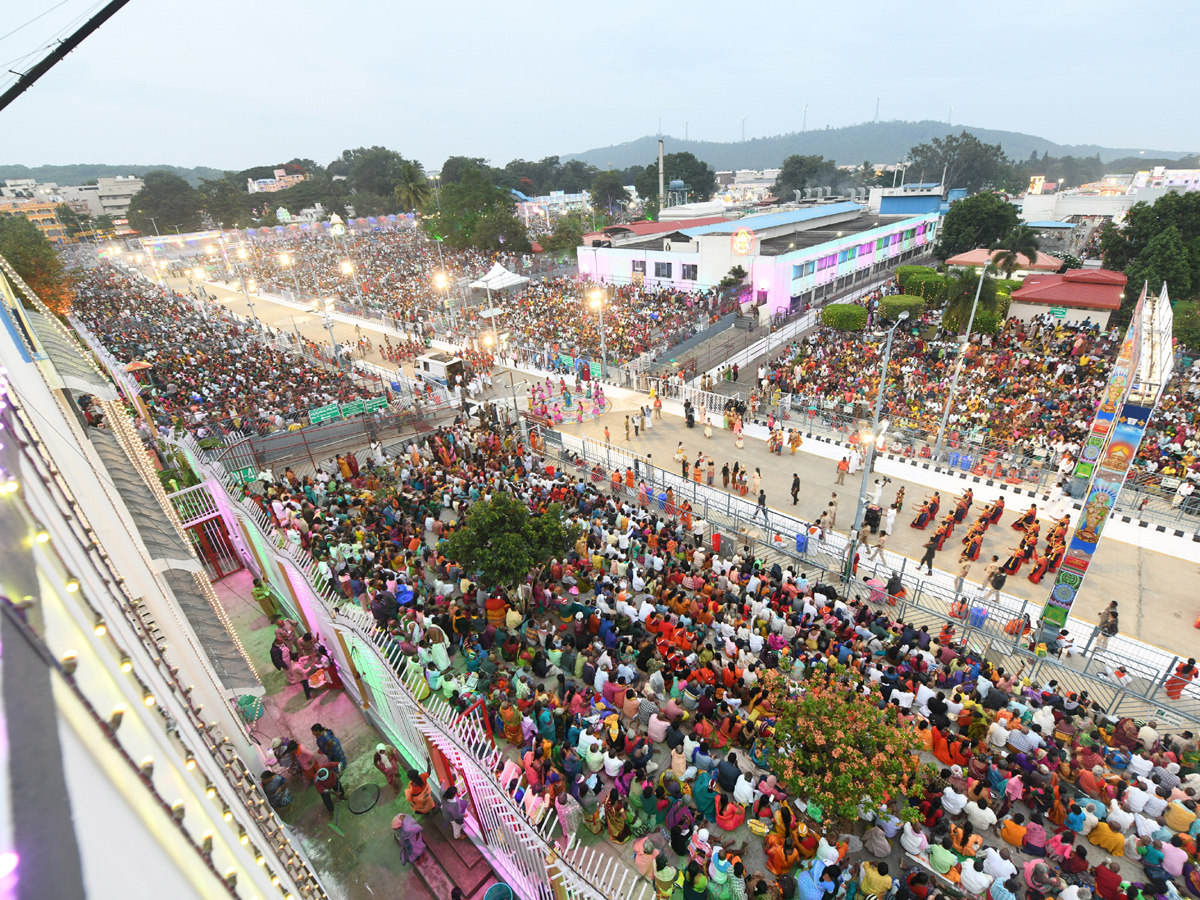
column 202, row 369
column 1032, row 386
column 635, row 678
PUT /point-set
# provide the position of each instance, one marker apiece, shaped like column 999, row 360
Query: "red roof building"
column 1079, row 293
column 645, row 229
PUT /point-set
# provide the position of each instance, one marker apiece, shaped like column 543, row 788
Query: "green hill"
column 878, row 142
column 76, row 174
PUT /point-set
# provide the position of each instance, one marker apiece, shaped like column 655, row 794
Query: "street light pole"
column 597, row 297
column 869, row 456
column 958, row 363
column 286, row 261
column 242, row 254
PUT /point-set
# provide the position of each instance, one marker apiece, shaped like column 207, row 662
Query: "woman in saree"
column 705, row 796
column 511, row 717
column 616, row 819
column 664, row 878
column 408, row 834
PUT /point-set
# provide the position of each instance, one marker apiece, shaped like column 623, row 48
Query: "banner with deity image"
column 1110, row 473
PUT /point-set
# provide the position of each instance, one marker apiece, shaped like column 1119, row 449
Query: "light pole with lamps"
column 958, row 363
column 322, row 305
column 871, row 440
column 443, row 284
column 242, row 254
column 285, row 260
column 597, row 299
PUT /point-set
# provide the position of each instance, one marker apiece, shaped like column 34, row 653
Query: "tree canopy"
column 1018, row 249
column 685, row 167
column 957, row 296
column 608, row 191
column 1165, row 259
column 37, row 262
column 982, row 220
column 835, row 748
column 800, row 172
column 167, row 202
column 476, row 213
column 1157, row 243
column 502, row 541
column 967, row 161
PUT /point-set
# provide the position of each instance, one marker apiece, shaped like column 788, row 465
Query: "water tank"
column 676, row 185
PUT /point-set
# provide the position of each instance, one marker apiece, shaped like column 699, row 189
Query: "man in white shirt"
column 1140, row 764
column 998, row 863
column 952, row 801
column 1135, row 798
column 997, row 736
column 980, row 816
column 1148, row 734
column 975, row 880
column 1119, row 818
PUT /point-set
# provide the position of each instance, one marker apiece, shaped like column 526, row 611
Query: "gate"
column 212, row 544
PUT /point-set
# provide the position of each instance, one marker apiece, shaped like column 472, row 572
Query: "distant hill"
column 877, row 142
column 68, row 176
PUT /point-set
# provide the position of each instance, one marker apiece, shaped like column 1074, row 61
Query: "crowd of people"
column 202, row 370
column 635, row 680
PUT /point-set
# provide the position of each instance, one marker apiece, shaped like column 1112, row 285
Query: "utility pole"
column 804, row 121
column 958, row 363
column 877, row 107
column 744, row 118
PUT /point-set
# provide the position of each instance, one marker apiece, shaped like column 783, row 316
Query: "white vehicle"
column 438, row 368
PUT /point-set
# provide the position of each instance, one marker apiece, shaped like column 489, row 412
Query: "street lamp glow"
column 439, row 279
column 243, row 253
column 347, row 267
column 251, row 286
column 284, row 259
column 198, row 273
column 487, row 340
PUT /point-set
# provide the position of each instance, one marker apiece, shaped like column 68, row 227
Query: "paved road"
column 1154, row 591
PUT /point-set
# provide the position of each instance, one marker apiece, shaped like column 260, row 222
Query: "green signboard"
column 566, row 360
column 319, row 414
column 1058, row 312
column 247, row 474
column 375, row 403
column 352, row 409
column 595, row 369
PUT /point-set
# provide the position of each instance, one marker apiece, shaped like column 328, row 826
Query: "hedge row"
column 891, row 307
column 844, row 316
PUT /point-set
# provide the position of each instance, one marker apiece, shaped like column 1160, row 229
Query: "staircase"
column 746, row 323
column 450, row 864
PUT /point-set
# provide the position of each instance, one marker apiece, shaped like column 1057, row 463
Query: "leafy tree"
column 968, row 162
column 698, row 175
column 35, row 260
column 574, row 176
column 73, row 223
column 978, row 221
column 104, row 224
column 455, row 167
column 169, row 200
column 799, row 172
column 1019, row 244
column 499, row 229
column 226, row 199
column 502, row 541
column 958, row 295
column 1165, row 259
column 372, row 170
column 608, row 192
column 412, row 189
column 568, row 233
column 1114, row 248
column 834, row 746
column 1187, row 325
column 366, row 203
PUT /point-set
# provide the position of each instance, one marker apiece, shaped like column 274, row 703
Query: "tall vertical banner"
column 1116, row 392
column 1130, row 397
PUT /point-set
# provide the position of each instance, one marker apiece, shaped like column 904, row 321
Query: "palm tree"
column 1020, row 241
column 958, row 295
column 412, row 188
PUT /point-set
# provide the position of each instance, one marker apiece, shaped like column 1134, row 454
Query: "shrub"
column 1008, row 285
column 844, row 316
column 926, row 286
column 904, row 273
column 986, row 321
column 891, row 307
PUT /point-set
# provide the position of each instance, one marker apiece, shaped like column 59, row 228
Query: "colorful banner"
column 1120, row 383
column 1110, row 471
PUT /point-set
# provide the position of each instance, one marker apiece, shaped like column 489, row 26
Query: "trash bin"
column 954, row 459
column 716, row 542
column 662, row 500
column 978, row 617
column 802, row 543
column 966, row 462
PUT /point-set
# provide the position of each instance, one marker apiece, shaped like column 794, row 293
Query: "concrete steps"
column 449, row 864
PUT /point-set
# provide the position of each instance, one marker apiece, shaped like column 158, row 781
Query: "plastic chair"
column 499, row 891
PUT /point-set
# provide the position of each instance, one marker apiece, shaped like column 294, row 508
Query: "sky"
column 234, row 84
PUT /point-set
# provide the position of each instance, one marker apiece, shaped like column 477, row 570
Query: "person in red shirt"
column 1108, row 881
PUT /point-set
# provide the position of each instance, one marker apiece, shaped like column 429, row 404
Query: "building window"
column 690, row 271
column 639, row 265
column 761, row 296
column 662, row 270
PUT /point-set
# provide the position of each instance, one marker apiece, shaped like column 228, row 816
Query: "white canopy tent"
column 499, row 279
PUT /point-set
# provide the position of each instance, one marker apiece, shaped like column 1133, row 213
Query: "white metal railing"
column 194, row 504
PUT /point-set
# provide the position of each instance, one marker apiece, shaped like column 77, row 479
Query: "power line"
column 34, row 19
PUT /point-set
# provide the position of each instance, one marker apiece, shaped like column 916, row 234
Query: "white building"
column 805, row 255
